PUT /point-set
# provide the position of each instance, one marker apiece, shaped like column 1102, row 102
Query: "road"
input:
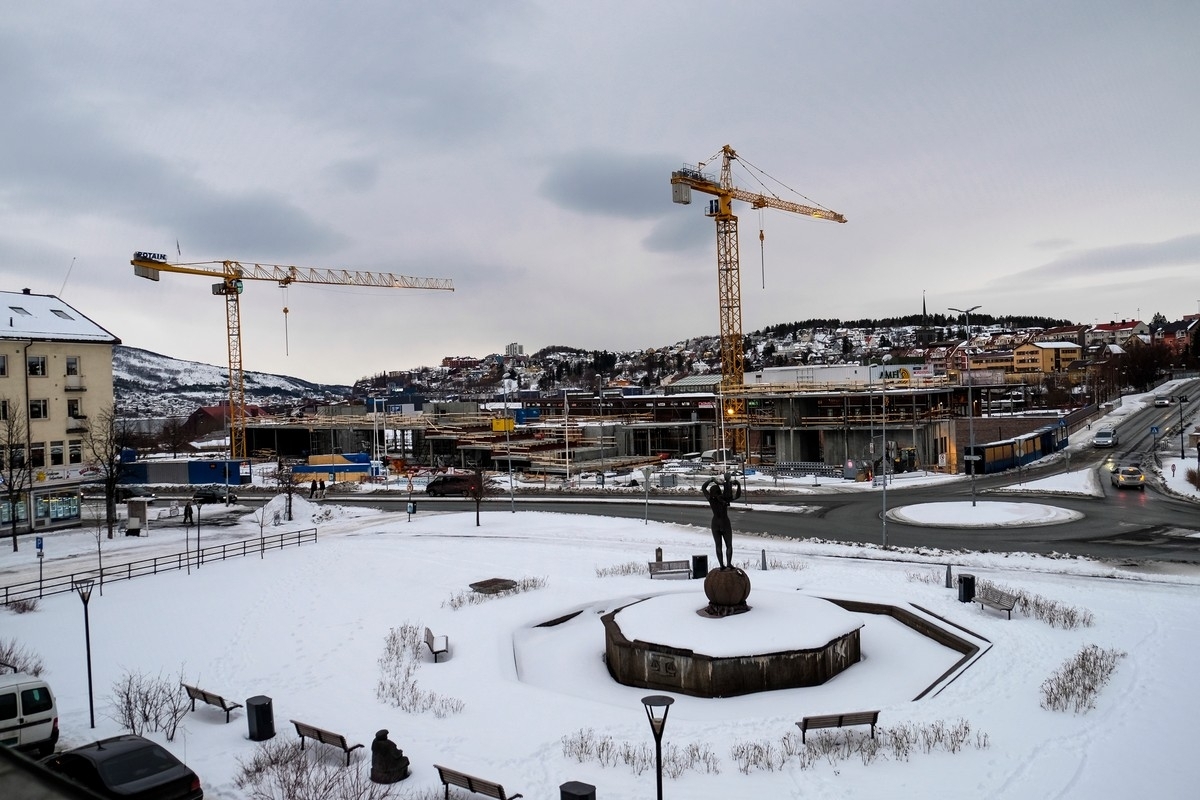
column 1121, row 526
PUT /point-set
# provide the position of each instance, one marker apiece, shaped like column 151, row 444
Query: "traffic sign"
column 38, row 542
column 1154, row 430
column 972, row 458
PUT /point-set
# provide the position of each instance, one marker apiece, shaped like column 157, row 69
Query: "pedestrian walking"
column 187, row 513
column 1172, row 470
column 321, row 489
column 312, row 490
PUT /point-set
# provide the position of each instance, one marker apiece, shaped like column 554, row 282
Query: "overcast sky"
column 1029, row 157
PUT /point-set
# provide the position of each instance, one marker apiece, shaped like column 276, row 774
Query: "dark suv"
column 213, row 494
column 458, row 485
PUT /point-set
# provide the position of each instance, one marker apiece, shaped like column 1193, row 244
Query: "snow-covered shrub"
column 1074, row 685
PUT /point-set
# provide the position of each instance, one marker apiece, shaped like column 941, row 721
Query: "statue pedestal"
column 726, row 590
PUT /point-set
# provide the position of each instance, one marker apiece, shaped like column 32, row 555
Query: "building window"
column 37, row 455
column 3, row 366
column 36, row 365
column 72, row 365
column 57, row 454
column 19, row 310
column 58, row 312
column 74, row 408
column 3, row 410
column 39, row 409
column 75, row 451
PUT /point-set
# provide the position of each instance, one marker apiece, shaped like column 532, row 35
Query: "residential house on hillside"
column 1116, row 332
column 1066, row 333
column 1046, row 357
column 1177, row 336
column 55, row 373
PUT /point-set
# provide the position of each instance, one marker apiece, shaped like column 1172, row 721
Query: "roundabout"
column 986, row 514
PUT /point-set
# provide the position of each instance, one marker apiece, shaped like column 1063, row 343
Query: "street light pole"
column 973, row 457
column 84, row 587
column 1181, row 399
column 656, row 705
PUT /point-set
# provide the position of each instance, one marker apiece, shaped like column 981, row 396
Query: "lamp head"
column 657, row 706
column 84, row 587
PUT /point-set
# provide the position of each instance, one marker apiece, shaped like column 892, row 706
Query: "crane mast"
column 231, row 275
column 729, row 277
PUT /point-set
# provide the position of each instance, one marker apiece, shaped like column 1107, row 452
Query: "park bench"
column 838, row 721
column 452, row 777
column 665, row 569
column 437, row 645
column 325, row 737
column 196, row 693
column 991, row 596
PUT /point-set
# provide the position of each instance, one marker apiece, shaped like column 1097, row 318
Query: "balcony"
column 77, row 424
column 73, row 383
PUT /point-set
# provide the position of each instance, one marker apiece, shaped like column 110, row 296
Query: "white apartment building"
column 56, row 368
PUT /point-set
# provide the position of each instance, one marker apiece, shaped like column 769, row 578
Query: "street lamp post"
column 657, row 707
column 84, row 587
column 1181, row 399
column 973, row 458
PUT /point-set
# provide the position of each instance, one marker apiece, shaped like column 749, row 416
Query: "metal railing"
column 59, row 584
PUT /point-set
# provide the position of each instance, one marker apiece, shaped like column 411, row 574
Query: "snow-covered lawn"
column 307, row 626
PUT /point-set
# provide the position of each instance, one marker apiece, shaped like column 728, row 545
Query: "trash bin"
column 260, row 718
column 576, row 790
column 699, row 567
column 966, row 587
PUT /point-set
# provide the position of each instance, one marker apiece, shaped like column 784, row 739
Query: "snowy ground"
column 306, row 626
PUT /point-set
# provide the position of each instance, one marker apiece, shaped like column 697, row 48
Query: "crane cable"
column 284, row 287
column 762, row 253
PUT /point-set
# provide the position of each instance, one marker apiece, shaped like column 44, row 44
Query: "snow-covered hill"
column 157, row 385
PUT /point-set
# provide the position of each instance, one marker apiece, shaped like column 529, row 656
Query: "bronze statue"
column 719, row 497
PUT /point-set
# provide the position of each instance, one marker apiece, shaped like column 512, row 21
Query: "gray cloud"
column 1134, row 256
column 611, row 184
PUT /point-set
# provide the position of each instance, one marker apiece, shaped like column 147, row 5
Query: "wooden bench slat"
column 195, row 693
column 304, row 730
column 1001, row 601
column 838, row 721
column 438, row 645
column 681, row 567
column 452, row 777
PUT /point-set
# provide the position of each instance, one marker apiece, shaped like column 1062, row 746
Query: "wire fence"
column 59, row 584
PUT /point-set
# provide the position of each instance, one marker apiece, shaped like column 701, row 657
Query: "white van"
column 28, row 714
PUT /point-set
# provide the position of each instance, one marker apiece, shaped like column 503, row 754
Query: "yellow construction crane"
column 729, row 279
column 231, row 274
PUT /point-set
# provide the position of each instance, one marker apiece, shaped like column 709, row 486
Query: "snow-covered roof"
column 44, row 317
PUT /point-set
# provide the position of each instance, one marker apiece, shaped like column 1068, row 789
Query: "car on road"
column 1162, row 401
column 1129, row 478
column 1105, row 437
column 213, row 494
column 457, row 485
column 127, row 767
column 124, row 492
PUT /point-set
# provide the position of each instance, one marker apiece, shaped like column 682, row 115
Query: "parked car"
column 1129, row 478
column 213, row 494
column 127, row 767
column 442, row 485
column 28, row 715
column 1105, row 437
